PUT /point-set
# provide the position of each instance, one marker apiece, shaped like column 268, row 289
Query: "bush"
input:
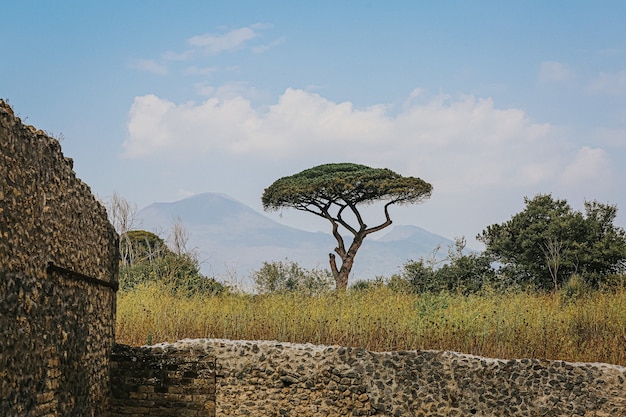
column 179, row 273
column 146, row 258
column 575, row 288
column 366, row 285
column 465, row 274
column 288, row 276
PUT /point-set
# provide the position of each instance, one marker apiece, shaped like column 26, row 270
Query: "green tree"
column 150, row 260
column 142, row 246
column 547, row 242
column 334, row 192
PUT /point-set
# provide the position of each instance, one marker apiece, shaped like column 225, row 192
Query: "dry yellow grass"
column 589, row 329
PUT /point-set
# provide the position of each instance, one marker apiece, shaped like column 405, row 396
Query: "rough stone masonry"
column 263, row 378
column 58, row 276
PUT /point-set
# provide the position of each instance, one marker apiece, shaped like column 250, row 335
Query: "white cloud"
column 612, row 84
column 591, row 166
column 149, row 126
column 216, row 43
column 458, row 141
column 211, row 44
column 556, row 72
column 148, row 65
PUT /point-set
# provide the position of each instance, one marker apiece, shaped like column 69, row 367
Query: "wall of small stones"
column 282, row 379
column 162, row 382
column 58, row 272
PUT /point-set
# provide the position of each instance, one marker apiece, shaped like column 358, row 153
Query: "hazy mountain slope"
column 233, row 238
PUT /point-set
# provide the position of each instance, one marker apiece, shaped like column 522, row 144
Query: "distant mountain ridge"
column 231, row 237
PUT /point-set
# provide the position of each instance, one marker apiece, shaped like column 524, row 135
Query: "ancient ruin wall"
column 155, row 382
column 58, row 275
column 282, row 379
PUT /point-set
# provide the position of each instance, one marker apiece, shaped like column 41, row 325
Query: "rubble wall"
column 281, row 379
column 58, row 277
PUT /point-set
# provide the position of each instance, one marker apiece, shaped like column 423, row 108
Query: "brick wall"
column 58, row 274
column 160, row 382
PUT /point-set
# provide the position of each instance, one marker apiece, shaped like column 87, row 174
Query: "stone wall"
column 282, row 379
column 159, row 382
column 58, row 276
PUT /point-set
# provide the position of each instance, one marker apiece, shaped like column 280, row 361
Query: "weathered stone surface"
column 160, row 382
column 56, row 330
column 280, row 379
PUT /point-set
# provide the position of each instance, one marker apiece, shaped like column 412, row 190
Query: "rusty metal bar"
column 81, row 277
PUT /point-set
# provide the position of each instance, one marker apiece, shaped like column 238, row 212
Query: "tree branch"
column 382, row 225
column 362, row 225
column 345, row 224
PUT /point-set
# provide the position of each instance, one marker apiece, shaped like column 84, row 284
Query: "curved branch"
column 308, row 210
column 382, row 225
column 341, row 248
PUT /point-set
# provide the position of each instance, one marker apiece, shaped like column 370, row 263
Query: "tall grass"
column 591, row 328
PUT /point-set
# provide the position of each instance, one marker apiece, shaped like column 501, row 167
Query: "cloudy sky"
column 489, row 101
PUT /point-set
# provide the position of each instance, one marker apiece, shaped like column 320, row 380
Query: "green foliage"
column 367, row 285
column 288, row 276
column 399, row 284
column 142, row 246
column 431, row 305
column 420, row 277
column 458, row 273
column 179, row 273
column 150, row 260
column 547, row 242
column 466, row 274
column 575, row 288
column 346, row 182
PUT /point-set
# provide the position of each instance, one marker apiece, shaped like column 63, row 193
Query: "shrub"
column 179, row 273
column 289, row 276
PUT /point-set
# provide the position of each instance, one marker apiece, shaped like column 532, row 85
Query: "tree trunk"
column 347, row 260
column 344, row 273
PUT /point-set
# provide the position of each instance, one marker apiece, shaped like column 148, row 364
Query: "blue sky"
column 489, row 101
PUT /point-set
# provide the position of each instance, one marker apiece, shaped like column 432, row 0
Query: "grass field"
column 590, row 328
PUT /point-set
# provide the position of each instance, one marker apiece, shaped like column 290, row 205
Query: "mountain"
column 233, row 239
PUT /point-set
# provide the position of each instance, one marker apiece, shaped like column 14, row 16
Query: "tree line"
column 544, row 247
column 540, row 248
